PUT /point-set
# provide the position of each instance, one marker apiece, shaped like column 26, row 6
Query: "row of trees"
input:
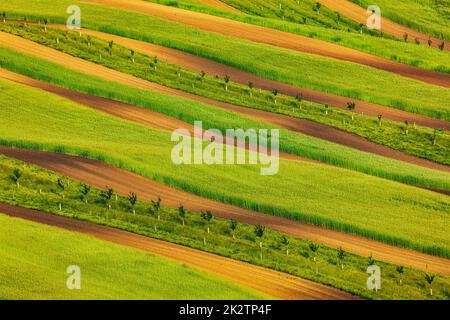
column 155, row 209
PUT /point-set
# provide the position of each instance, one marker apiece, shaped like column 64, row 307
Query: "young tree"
column 202, row 75
column 370, row 261
column 182, row 213
column 436, row 133
column 4, row 16
column 88, row 41
column 405, row 37
column 285, row 244
column 380, row 120
column 226, row 80
column 132, row 56
column 250, row 86
column 157, row 207
column 233, row 227
column 110, row 47
column 132, row 199
column 107, row 196
column 259, row 233
column 406, row 127
column 45, row 24
column 430, row 279
column 317, row 7
column 314, row 248
column 16, row 176
column 341, row 256
column 351, row 106
column 326, row 109
column 442, row 45
column 400, row 270
column 62, row 185
column 85, row 190
column 207, row 216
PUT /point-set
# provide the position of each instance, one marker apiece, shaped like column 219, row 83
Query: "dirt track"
column 220, row 5
column 294, row 124
column 277, row 38
column 49, row 54
column 101, row 175
column 269, row 282
column 357, row 13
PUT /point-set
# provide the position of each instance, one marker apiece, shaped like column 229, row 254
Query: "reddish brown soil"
column 269, row 282
column 101, row 175
column 277, row 38
column 299, row 125
column 359, row 14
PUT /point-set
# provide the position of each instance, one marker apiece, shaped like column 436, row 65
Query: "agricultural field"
column 44, row 253
column 279, row 252
column 277, row 64
column 422, row 142
column 429, row 16
column 129, row 145
column 224, row 150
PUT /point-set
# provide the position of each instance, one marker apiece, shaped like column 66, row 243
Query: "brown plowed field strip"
column 269, row 282
column 100, row 175
column 358, row 14
column 299, row 125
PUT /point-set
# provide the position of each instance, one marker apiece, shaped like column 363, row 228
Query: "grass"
column 264, row 60
column 34, row 259
column 317, row 194
column 241, row 244
column 300, row 12
column 190, row 111
column 418, row 141
column 428, row 16
column 372, row 42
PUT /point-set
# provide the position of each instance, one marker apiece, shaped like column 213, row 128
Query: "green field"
column 264, row 60
column 418, row 141
column 300, row 12
column 34, row 259
column 190, row 111
column 323, row 195
column 240, row 244
column 385, row 46
column 428, row 16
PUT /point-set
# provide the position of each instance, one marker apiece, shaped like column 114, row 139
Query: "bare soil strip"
column 294, row 124
column 100, row 175
column 123, row 110
column 159, row 121
column 269, row 282
column 277, row 38
column 52, row 55
column 359, row 14
column 220, row 5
